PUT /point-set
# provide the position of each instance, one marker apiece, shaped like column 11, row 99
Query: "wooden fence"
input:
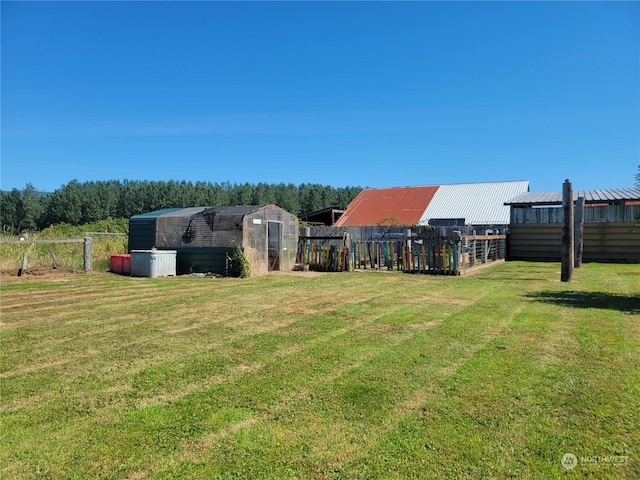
column 67, row 253
column 420, row 250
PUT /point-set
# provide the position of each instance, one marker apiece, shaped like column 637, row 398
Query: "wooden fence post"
column 566, row 249
column 25, row 259
column 87, row 254
column 347, row 247
column 409, row 249
column 54, row 257
column 579, row 235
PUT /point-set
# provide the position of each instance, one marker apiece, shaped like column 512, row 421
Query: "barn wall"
column 603, row 242
column 609, row 233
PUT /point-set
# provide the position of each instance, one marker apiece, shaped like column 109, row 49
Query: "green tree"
column 287, row 198
column 30, row 209
column 65, row 205
column 77, row 203
column 9, row 205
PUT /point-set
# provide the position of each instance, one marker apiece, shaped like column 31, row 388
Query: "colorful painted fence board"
column 429, row 251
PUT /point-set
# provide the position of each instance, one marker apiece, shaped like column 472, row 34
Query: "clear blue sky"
column 339, row 93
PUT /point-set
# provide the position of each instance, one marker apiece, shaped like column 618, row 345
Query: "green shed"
column 205, row 237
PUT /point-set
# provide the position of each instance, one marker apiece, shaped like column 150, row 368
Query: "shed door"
column 274, row 244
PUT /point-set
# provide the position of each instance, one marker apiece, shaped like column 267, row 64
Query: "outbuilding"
column 610, row 231
column 205, row 237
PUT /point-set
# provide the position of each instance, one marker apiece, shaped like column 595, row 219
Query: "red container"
column 126, row 264
column 120, row 264
column 115, row 264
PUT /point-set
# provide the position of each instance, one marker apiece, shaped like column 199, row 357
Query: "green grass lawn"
column 357, row 375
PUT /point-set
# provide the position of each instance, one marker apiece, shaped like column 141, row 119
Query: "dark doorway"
column 274, row 244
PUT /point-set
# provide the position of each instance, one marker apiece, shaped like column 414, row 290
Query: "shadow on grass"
column 575, row 299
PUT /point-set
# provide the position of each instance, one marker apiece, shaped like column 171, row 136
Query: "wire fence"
column 91, row 252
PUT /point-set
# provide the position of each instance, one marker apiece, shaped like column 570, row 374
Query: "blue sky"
column 339, row 93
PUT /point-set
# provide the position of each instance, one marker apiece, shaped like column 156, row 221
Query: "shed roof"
column 373, row 206
column 479, row 203
column 612, row 195
column 232, row 210
column 184, row 212
column 156, row 213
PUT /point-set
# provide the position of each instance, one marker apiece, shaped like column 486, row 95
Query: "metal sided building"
column 205, row 237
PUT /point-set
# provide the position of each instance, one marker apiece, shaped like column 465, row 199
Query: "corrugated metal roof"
column 375, row 205
column 478, row 203
column 590, row 196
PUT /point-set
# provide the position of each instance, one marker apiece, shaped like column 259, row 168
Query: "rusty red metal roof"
column 387, row 206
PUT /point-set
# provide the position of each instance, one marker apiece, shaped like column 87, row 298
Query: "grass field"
column 357, row 375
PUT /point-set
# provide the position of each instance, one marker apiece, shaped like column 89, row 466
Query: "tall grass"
column 69, row 256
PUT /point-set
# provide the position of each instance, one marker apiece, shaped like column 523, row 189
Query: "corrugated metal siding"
column 590, row 196
column 478, row 203
column 375, row 205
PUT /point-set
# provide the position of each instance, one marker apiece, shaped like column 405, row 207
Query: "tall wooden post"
column 347, row 247
column 566, row 252
column 87, row 254
column 306, row 246
column 579, row 236
column 409, row 249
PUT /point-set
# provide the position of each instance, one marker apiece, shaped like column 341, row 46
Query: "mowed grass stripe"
column 137, row 324
column 240, row 396
column 355, row 409
column 359, row 376
column 140, row 345
column 82, row 407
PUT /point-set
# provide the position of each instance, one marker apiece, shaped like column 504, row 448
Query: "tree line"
column 78, row 203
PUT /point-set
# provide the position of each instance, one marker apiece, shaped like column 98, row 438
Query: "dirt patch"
column 39, row 273
column 300, row 273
